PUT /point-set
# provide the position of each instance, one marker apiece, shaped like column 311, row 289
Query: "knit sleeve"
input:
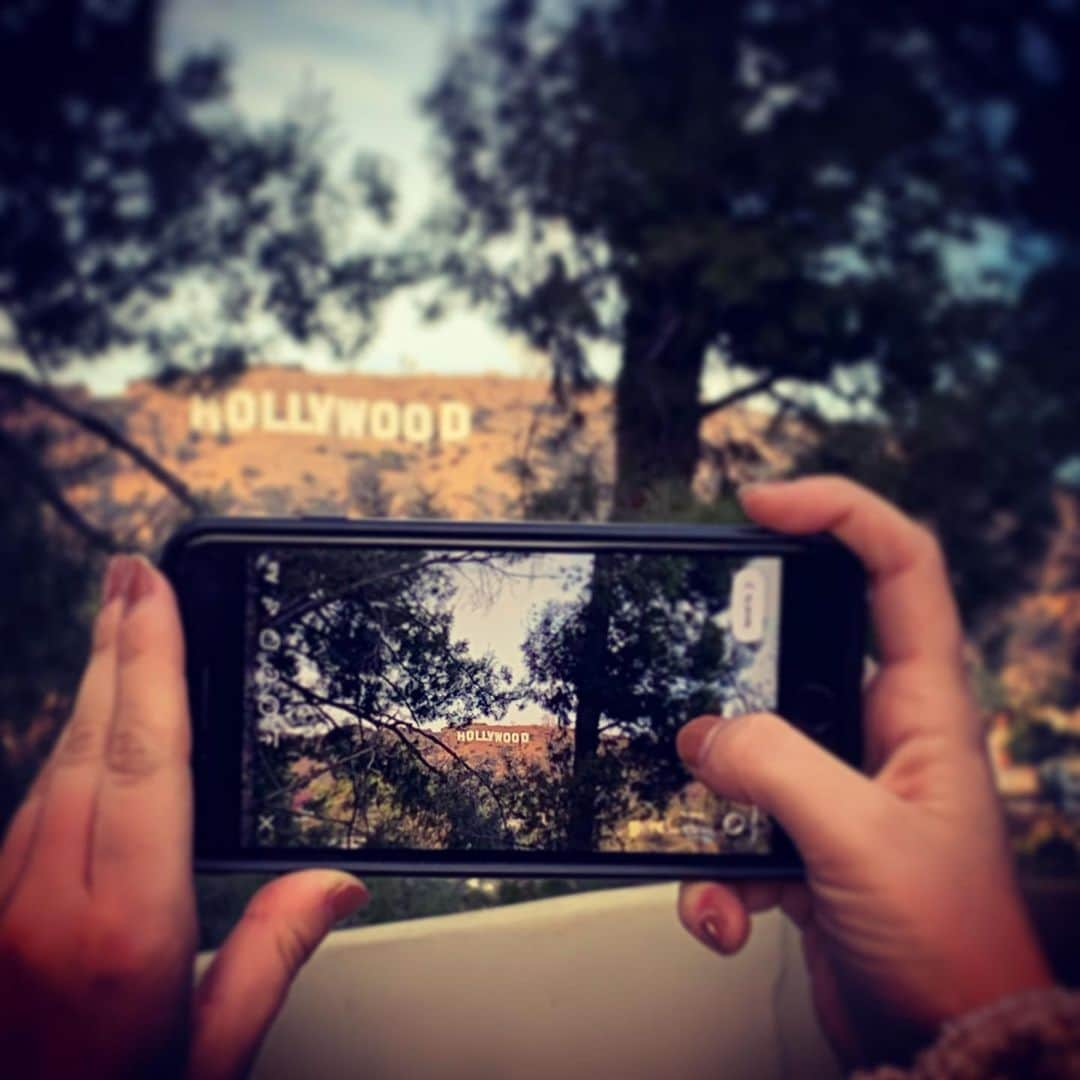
column 1035, row 1034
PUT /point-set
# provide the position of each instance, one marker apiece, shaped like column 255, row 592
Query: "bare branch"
column 304, row 607
column 804, row 413
column 394, row 727
column 22, row 387
column 32, row 471
column 722, row 402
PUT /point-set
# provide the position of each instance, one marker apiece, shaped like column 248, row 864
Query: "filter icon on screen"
column 748, row 605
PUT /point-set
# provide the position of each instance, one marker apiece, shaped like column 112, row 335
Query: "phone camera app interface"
column 496, row 700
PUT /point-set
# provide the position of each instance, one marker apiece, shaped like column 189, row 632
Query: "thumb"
column 247, row 982
column 818, row 799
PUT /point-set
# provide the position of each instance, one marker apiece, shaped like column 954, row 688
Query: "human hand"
column 97, row 909
column 910, row 913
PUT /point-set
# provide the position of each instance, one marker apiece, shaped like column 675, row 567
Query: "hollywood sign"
column 312, row 413
column 516, row 738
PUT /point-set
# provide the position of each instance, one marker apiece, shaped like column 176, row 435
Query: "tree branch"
column 343, row 592
column 707, row 407
column 31, row 470
column 803, row 412
column 43, row 395
column 394, row 727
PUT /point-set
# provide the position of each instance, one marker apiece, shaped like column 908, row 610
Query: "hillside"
column 281, row 440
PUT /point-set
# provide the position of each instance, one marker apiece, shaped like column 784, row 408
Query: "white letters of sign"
column 239, row 412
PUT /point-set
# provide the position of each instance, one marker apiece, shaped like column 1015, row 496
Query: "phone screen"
column 497, row 700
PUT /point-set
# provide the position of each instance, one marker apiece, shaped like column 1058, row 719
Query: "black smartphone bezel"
column 823, row 632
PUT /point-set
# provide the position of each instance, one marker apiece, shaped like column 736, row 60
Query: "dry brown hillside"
column 282, row 440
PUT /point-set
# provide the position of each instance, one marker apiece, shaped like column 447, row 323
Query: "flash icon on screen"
column 748, row 605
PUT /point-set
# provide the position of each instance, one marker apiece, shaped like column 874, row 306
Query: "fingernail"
column 141, row 583
column 710, row 928
column 694, row 739
column 118, row 574
column 344, row 899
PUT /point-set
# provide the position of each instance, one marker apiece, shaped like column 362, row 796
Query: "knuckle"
column 131, row 757
column 756, row 746
column 288, row 941
column 926, row 544
column 291, row 946
column 751, row 734
column 79, row 743
column 132, row 643
column 745, row 748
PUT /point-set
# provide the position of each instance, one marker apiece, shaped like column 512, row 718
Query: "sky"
column 493, row 611
column 374, row 59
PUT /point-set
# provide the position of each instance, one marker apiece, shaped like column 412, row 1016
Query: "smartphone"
column 499, row 699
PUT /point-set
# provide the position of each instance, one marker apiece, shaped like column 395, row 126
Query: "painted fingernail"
column 117, row 577
column 694, row 739
column 344, row 899
column 710, row 928
column 141, row 583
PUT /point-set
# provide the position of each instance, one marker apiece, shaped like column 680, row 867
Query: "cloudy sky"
column 373, row 60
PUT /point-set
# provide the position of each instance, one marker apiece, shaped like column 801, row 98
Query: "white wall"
column 603, row 984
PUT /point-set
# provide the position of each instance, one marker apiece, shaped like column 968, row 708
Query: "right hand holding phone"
column 910, row 912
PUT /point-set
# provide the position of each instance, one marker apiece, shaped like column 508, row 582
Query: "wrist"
column 1011, row 964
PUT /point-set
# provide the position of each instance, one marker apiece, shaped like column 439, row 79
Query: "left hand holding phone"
column 97, row 906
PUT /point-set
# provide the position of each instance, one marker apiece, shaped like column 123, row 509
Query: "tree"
column 774, row 183
column 866, row 217
column 353, row 714
column 42, row 625
column 370, row 661
column 625, row 664
column 122, row 185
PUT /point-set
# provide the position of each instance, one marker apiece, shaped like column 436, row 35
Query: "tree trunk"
column 657, row 402
column 589, row 680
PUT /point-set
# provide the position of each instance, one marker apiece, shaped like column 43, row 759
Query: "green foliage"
column 632, row 658
column 977, row 457
column 781, row 183
column 160, row 180
column 373, row 681
column 377, row 628
column 814, row 191
column 576, row 493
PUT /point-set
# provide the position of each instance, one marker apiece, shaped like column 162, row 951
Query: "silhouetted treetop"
column 120, row 181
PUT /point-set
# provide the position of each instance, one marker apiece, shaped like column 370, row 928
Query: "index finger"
column 142, row 834
column 915, row 616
